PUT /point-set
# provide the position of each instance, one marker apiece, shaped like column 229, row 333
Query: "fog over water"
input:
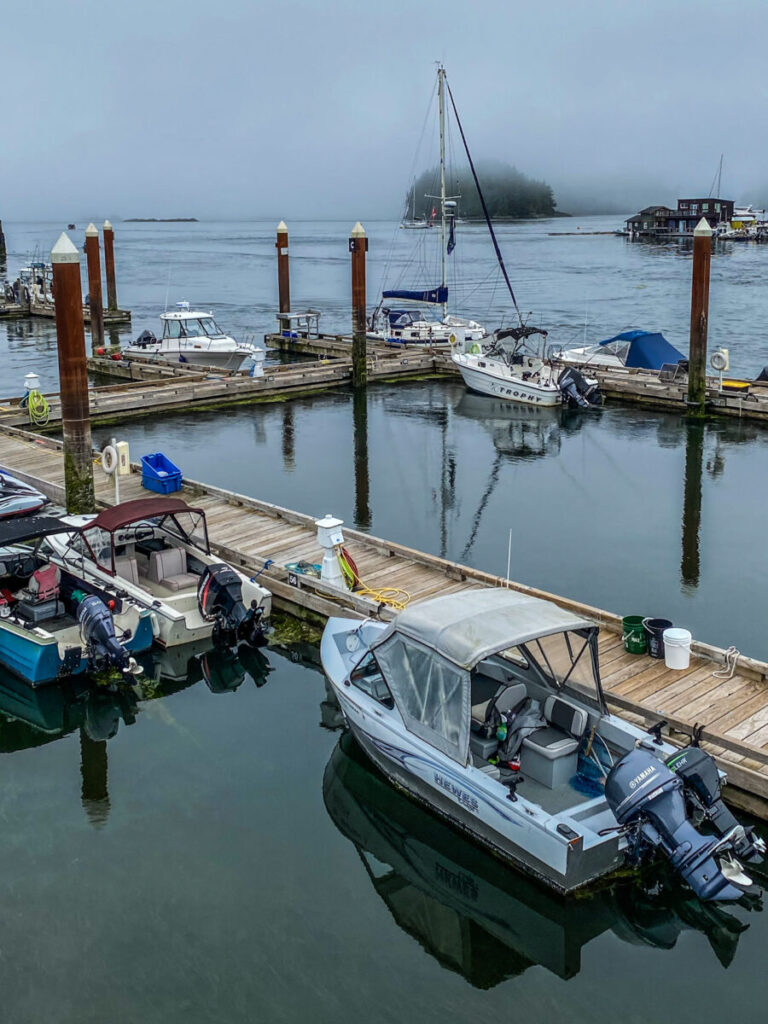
column 301, row 109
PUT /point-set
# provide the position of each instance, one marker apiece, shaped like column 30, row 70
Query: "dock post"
column 697, row 357
column 362, row 479
column 690, row 563
column 2, row 243
column 94, row 287
column 358, row 246
column 94, row 769
column 109, row 265
column 283, row 271
column 73, row 377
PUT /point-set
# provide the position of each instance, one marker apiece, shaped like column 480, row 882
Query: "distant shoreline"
column 160, row 220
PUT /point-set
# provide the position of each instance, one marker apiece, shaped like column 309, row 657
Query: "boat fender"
column 109, row 459
column 475, row 350
column 452, row 339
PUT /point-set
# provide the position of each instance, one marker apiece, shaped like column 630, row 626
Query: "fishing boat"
column 156, row 550
column 191, row 336
column 18, row 498
column 52, row 624
column 464, row 697
column 398, row 319
column 645, row 350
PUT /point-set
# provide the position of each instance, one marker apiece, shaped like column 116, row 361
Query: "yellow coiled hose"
column 38, row 408
column 392, row 596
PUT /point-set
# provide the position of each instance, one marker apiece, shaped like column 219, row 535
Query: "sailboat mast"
column 441, row 101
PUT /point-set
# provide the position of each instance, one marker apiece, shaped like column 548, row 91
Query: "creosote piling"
column 94, row 287
column 358, row 247
column 697, row 358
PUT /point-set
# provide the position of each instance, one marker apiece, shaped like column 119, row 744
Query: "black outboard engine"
column 220, row 599
column 577, row 390
column 701, row 781
column 146, row 338
column 97, row 628
column 648, row 799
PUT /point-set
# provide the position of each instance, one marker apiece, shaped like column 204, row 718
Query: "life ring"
column 452, row 339
column 109, row 459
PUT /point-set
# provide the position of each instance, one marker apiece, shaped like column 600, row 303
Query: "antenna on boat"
column 168, row 287
column 487, row 216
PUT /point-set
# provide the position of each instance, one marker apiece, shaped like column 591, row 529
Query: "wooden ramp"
column 262, row 538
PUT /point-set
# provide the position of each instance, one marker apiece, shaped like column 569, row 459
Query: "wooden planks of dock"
column 262, row 538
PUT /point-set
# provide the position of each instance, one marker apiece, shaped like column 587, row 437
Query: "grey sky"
column 307, row 108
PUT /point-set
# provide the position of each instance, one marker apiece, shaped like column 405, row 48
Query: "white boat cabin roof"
column 472, row 625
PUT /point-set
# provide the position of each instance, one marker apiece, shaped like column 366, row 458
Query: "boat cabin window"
column 620, row 349
column 211, row 328
column 366, row 676
column 567, row 660
column 172, row 329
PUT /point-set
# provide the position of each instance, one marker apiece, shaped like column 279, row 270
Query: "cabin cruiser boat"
column 156, row 550
column 515, row 369
column 464, row 695
column 412, row 327
column 52, row 624
column 18, row 498
column 646, row 350
column 191, row 336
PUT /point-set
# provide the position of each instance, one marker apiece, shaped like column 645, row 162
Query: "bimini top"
column 127, row 512
column 22, row 528
column 474, row 624
column 647, row 350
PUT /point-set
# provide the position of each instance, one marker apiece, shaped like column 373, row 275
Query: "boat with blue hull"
column 52, row 625
column 463, row 697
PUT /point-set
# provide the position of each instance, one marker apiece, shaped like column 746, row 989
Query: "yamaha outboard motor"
column 701, row 781
column 146, row 338
column 97, row 628
column 577, row 390
column 648, row 800
column 220, row 599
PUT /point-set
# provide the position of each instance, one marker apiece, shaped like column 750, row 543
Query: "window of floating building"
column 717, row 207
column 705, row 207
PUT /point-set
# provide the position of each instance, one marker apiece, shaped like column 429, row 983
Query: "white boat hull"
column 221, row 359
column 496, row 380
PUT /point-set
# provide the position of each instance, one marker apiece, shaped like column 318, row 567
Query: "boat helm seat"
column 506, row 700
column 127, row 569
column 567, row 723
column 169, row 569
column 40, row 599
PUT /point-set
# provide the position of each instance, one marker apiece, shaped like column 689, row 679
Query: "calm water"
column 211, row 851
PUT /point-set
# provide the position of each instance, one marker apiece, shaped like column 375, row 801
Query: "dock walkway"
column 262, row 538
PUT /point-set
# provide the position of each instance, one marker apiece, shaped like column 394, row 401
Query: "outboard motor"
column 701, row 781
column 146, row 338
column 97, row 628
column 577, row 390
column 220, row 599
column 648, row 800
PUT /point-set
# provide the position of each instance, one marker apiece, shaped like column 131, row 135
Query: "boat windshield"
column 192, row 327
column 142, row 536
column 568, row 660
column 620, row 349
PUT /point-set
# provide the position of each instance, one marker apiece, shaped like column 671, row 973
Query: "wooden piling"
column 2, row 242
column 73, row 376
column 109, row 265
column 362, row 479
column 697, row 358
column 358, row 247
column 283, row 271
column 94, row 287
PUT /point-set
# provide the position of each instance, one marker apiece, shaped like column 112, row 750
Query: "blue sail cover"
column 647, row 350
column 433, row 296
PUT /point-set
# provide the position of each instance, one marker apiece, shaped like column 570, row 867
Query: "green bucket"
column 633, row 632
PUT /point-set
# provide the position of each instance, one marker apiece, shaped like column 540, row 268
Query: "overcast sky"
column 241, row 108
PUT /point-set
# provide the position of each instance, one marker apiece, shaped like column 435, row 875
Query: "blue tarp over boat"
column 647, row 350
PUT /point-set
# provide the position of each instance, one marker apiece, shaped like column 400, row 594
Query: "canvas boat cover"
column 22, row 528
column 648, row 350
column 128, row 512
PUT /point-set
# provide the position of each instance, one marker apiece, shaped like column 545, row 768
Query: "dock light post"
column 109, row 265
column 94, row 287
column 283, row 270
column 697, row 358
column 358, row 247
column 73, row 376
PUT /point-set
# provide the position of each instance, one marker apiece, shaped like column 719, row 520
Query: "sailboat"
column 398, row 319
column 410, row 220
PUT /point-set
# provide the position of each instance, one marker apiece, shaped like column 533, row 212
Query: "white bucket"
column 677, row 648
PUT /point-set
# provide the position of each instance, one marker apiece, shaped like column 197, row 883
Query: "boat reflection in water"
column 479, row 917
column 222, row 669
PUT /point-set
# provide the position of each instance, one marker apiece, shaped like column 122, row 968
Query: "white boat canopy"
column 427, row 654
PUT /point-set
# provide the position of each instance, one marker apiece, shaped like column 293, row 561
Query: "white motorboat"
column 156, row 550
column 645, row 350
column 463, row 696
column 192, row 336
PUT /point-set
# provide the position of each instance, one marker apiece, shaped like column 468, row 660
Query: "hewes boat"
column 191, row 336
column 464, row 696
column 157, row 551
column 51, row 624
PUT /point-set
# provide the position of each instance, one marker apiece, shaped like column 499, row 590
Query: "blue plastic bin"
column 159, row 474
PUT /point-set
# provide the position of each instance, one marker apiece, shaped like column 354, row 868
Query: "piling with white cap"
column 283, row 270
column 73, row 376
column 109, row 265
column 94, row 287
column 358, row 247
column 697, row 356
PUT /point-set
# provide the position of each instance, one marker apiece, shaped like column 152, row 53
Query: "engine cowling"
column 97, row 628
column 220, row 599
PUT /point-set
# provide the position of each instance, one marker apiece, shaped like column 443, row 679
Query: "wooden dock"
column 262, row 538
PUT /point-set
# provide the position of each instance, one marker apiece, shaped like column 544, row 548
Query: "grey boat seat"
column 127, row 569
column 567, row 723
column 169, row 568
column 507, row 700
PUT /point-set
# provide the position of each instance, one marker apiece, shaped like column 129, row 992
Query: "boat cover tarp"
column 648, row 350
column 433, row 296
column 23, row 528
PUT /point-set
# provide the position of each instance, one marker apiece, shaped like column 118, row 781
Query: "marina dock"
column 262, row 538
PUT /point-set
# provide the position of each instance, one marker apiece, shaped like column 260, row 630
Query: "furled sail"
column 433, row 296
